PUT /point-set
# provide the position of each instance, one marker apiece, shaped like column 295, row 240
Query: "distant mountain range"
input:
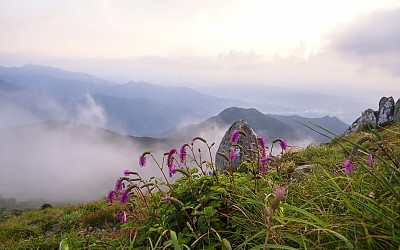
column 141, row 109
column 278, row 99
column 35, row 93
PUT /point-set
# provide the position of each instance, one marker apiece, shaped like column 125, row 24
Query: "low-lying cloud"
column 62, row 161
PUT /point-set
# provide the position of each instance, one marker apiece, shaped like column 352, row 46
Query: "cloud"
column 68, row 162
column 372, row 40
column 91, row 113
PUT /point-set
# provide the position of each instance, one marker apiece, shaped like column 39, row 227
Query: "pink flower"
column 124, row 197
column 110, row 196
column 261, row 142
column 142, row 160
column 264, row 164
column 172, row 170
column 118, row 185
column 283, row 144
column 170, row 159
column 348, row 167
column 122, row 216
column 232, row 156
column 280, row 192
column 234, row 136
column 182, row 154
column 126, row 172
column 371, row 160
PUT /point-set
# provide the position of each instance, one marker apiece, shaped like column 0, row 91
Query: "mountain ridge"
column 137, row 108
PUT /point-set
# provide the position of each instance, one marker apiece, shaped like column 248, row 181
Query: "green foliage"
column 90, row 225
column 100, row 218
column 46, row 205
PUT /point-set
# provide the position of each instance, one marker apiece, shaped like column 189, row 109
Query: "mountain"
column 52, row 81
column 262, row 125
column 59, row 160
column 56, row 73
column 333, row 124
column 141, row 109
column 286, row 101
column 20, row 105
column 269, row 126
column 137, row 116
column 37, row 93
column 185, row 102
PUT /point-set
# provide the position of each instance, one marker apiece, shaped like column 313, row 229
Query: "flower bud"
column 267, row 212
column 226, row 244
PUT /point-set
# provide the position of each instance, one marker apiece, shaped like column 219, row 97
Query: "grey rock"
column 56, row 228
column 246, row 142
column 396, row 115
column 386, row 110
column 307, row 167
column 369, row 116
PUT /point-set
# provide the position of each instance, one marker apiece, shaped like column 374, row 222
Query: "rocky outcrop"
column 226, row 146
column 396, row 116
column 388, row 112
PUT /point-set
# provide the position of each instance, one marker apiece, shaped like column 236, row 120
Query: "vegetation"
column 345, row 194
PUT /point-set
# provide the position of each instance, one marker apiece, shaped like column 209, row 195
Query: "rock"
column 386, row 110
column 396, row 115
column 302, row 170
column 225, row 146
column 306, row 168
column 367, row 117
column 55, row 229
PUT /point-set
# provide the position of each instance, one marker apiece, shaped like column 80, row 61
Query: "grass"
column 324, row 208
column 45, row 228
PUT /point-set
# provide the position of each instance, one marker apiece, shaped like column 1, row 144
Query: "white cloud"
column 91, row 113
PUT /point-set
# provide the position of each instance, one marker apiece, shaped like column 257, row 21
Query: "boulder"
column 367, row 117
column 246, row 142
column 396, row 115
column 388, row 112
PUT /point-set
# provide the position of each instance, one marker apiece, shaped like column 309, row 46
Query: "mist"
column 44, row 157
column 71, row 162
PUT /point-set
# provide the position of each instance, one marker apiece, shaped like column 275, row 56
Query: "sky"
column 341, row 47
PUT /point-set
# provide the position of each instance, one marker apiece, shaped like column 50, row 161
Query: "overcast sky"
column 339, row 46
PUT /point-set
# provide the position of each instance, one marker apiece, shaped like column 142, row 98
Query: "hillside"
column 343, row 194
